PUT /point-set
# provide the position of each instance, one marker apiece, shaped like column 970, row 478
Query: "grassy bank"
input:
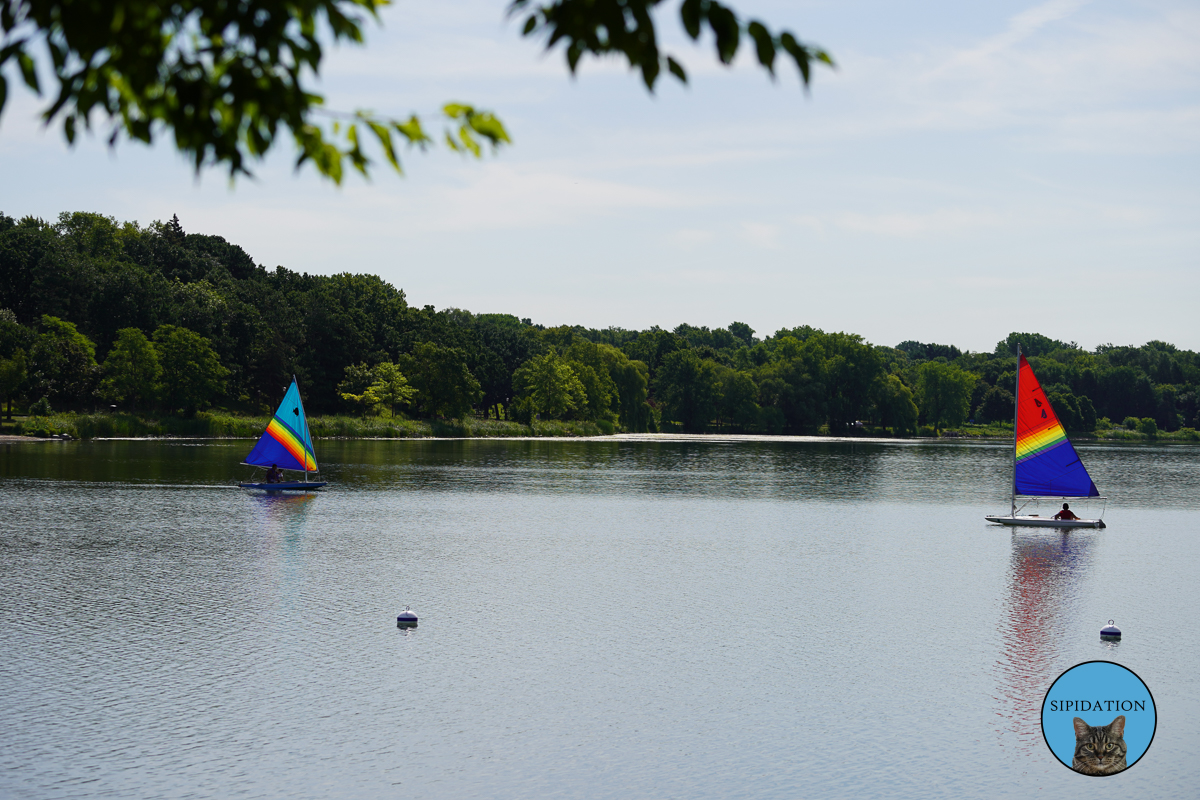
column 217, row 425
column 1124, row 435
column 220, row 425
column 1108, row 434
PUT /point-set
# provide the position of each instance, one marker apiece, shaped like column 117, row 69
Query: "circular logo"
column 1098, row 718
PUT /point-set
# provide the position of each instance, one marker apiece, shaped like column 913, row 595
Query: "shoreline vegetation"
column 113, row 330
column 209, row 425
column 216, row 425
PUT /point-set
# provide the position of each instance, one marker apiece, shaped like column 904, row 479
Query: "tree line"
column 97, row 313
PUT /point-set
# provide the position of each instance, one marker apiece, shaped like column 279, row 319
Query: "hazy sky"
column 969, row 169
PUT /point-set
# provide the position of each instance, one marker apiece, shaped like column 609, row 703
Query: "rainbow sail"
column 1046, row 462
column 286, row 443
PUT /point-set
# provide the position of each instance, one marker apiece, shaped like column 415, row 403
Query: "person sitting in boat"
column 274, row 474
column 1066, row 512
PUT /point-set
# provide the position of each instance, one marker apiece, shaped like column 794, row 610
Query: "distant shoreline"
column 631, row 437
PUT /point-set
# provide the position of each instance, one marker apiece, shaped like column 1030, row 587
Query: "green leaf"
column 764, row 44
column 385, row 141
column 486, row 125
column 468, row 141
column 676, row 69
column 724, row 25
column 412, row 131
column 28, row 71
column 650, row 71
column 691, row 14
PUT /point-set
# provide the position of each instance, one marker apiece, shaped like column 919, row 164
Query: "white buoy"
column 407, row 619
column 1110, row 631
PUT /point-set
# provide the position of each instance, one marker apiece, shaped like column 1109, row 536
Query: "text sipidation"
column 1097, row 705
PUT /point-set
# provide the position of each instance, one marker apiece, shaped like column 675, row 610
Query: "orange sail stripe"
column 280, row 433
column 1031, row 443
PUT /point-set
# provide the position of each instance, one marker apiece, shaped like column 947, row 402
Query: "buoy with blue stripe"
column 1108, row 632
column 407, row 619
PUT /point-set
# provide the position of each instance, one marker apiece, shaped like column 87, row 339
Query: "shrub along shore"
column 213, row 425
column 217, row 425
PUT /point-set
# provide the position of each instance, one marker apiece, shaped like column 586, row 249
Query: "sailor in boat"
column 1066, row 512
column 275, row 475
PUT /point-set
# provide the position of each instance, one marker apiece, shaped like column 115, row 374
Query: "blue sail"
column 286, row 443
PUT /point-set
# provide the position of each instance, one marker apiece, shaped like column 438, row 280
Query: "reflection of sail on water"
column 1045, row 574
column 283, row 520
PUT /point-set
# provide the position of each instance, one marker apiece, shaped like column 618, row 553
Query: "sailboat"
column 1045, row 464
column 287, row 445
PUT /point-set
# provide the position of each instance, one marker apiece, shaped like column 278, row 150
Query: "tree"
column 944, row 393
column 997, row 405
column 593, row 365
column 894, row 406
column 919, row 351
column 631, row 379
column 1087, row 414
column 737, row 393
column 851, row 369
column 1032, row 344
column 793, row 384
column 224, row 80
column 13, row 335
column 513, row 343
column 192, row 375
column 388, row 389
column 550, row 385
column 12, row 376
column 62, row 363
column 687, row 389
column 444, row 385
column 1166, row 416
column 131, row 369
column 652, row 346
column 1066, row 407
column 743, row 332
column 353, row 388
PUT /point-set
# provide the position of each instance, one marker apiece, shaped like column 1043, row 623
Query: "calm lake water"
column 626, row 618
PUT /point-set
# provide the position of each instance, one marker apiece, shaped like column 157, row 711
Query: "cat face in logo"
column 1099, row 750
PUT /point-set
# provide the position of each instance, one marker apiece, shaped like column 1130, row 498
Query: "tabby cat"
column 1099, row 750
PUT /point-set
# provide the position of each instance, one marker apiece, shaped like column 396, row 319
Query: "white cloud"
column 761, row 234
column 691, row 239
column 495, row 196
column 907, row 225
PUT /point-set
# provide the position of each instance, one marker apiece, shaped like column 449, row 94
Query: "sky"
column 968, row 170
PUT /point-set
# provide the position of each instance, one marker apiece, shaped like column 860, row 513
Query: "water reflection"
column 836, row 470
column 956, row 472
column 281, row 521
column 1045, row 577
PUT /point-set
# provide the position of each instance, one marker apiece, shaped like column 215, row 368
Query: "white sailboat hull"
column 1046, row 522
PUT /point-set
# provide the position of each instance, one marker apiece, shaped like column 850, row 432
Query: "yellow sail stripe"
column 289, row 440
column 1034, row 442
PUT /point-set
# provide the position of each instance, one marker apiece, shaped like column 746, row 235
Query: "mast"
column 1016, row 414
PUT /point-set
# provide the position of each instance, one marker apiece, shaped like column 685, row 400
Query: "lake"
column 636, row 617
